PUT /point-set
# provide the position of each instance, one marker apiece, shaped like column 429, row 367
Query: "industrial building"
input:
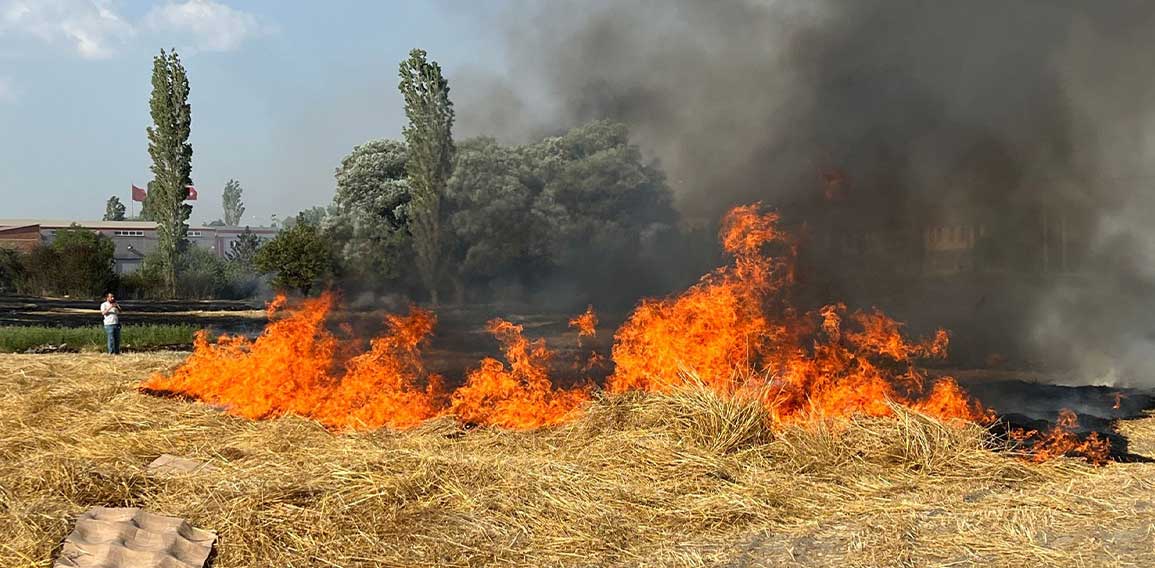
column 134, row 240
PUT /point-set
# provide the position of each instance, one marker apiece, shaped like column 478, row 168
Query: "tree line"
column 578, row 215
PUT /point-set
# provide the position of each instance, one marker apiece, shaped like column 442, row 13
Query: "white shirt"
column 111, row 313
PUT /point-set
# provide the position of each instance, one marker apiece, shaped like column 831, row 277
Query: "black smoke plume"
column 883, row 129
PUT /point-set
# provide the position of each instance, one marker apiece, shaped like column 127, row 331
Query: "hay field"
column 681, row 480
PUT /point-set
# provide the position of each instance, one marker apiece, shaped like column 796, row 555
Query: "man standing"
column 111, row 312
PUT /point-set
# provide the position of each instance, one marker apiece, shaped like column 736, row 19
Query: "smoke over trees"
column 559, row 217
column 1020, row 128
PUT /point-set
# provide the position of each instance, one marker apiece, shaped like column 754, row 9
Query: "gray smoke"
column 1029, row 118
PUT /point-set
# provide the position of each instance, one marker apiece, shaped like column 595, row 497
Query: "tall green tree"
column 234, row 208
column 429, row 139
column 114, row 209
column 171, row 154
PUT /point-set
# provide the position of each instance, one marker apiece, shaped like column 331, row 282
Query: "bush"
column 12, row 273
column 77, row 263
column 299, row 258
column 200, row 275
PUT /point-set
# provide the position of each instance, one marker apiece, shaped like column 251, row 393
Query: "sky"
column 280, row 91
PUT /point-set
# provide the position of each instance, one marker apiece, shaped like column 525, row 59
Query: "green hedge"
column 17, row 339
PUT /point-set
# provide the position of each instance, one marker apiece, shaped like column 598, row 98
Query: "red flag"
column 192, row 194
column 138, row 194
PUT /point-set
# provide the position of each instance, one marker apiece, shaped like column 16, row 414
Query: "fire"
column 586, row 323
column 1061, row 440
column 734, row 331
column 290, row 368
column 520, row 395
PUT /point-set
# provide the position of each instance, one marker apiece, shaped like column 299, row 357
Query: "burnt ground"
column 217, row 316
column 1024, row 404
column 1023, row 398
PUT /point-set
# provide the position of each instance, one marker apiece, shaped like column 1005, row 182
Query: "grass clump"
column 18, row 339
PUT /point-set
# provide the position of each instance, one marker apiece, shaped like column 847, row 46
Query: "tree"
column 609, row 210
column 243, row 250
column 298, row 257
column 11, row 271
column 313, row 215
column 492, row 228
column 369, row 220
column 372, row 177
column 429, row 138
column 171, row 155
column 234, row 209
column 78, row 262
column 114, row 209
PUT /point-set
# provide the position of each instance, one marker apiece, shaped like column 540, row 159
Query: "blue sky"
column 280, row 92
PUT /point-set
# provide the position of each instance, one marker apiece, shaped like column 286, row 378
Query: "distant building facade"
column 134, row 240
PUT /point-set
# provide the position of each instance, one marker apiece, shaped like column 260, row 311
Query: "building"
column 19, row 237
column 134, row 240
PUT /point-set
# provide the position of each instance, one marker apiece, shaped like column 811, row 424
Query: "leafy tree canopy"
column 114, row 209
column 298, row 258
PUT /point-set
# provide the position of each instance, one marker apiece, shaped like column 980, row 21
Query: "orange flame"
column 733, row 331
column 519, row 396
column 289, row 369
column 586, row 323
column 1061, row 440
column 734, row 327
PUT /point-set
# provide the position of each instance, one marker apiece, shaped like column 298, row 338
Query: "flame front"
column 734, row 331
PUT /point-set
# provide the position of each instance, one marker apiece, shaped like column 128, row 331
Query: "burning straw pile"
column 735, row 331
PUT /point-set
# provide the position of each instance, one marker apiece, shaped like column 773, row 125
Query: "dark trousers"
column 113, row 333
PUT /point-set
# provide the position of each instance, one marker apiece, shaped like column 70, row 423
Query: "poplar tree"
column 171, row 154
column 234, row 208
column 429, row 139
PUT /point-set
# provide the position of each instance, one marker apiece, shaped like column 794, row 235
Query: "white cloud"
column 210, row 26
column 92, row 27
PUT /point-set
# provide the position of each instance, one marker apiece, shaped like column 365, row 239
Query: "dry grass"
column 679, row 480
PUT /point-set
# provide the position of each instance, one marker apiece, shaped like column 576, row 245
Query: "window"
column 194, row 233
column 128, row 233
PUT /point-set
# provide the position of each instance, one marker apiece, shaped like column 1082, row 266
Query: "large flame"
column 734, row 331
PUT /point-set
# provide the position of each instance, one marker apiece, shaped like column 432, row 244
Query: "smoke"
column 1029, row 121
